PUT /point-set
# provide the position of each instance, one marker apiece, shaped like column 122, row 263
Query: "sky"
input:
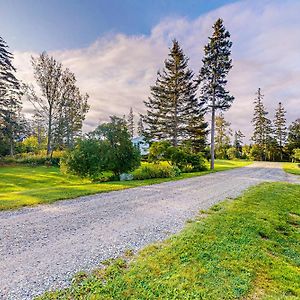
column 115, row 48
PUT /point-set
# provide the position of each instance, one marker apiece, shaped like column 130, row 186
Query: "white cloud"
column 117, row 70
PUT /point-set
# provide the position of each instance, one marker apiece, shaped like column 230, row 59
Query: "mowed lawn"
column 246, row 249
column 293, row 168
column 21, row 185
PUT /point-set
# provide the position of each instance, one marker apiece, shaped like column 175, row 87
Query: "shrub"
column 121, row 155
column 155, row 170
column 181, row 157
column 296, row 155
column 86, row 160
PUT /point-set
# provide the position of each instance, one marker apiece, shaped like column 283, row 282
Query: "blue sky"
column 39, row 25
column 115, row 48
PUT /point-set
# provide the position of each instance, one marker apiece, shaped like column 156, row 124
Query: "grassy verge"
column 22, row 186
column 293, row 168
column 245, row 249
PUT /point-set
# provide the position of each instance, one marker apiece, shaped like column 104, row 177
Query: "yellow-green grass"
column 248, row 248
column 22, row 186
column 293, row 168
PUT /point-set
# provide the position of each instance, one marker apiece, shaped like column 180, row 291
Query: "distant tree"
column 280, row 129
column 167, row 116
column 238, row 141
column 293, row 140
column 10, row 104
column 222, row 137
column 130, row 123
column 140, row 126
column 262, row 126
column 121, row 155
column 212, row 76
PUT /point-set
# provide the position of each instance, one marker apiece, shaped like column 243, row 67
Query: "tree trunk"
column 49, row 132
column 212, row 140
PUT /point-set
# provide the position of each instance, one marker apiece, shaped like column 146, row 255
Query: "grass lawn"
column 293, row 168
column 244, row 249
column 21, row 185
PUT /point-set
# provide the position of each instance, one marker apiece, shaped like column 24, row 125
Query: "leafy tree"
column 293, row 140
column 262, row 126
column 10, row 105
column 121, row 155
column 167, row 114
column 222, row 137
column 130, row 123
column 280, row 132
column 296, row 154
column 212, row 76
column 61, row 106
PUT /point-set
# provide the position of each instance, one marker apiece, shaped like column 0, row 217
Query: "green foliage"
column 31, row 144
column 121, row 155
column 36, row 159
column 181, row 157
column 244, row 249
column 155, row 170
column 232, row 153
column 88, row 159
column 296, row 154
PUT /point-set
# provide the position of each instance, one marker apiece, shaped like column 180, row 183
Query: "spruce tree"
column 10, row 92
column 280, row 129
column 212, row 76
column 262, row 126
column 167, row 113
column 130, row 123
column 140, row 126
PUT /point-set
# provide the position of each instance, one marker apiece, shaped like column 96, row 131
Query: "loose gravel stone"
column 42, row 247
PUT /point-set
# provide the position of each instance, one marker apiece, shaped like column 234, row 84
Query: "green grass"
column 22, row 186
column 293, row 168
column 244, row 249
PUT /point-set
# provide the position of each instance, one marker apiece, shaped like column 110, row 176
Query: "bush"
column 86, row 160
column 155, row 170
column 183, row 158
column 296, row 155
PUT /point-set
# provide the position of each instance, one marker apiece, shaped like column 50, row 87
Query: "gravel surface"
column 42, row 247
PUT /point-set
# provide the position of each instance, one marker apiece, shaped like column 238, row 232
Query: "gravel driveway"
column 42, row 247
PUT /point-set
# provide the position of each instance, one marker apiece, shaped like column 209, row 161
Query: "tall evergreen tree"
column 280, row 129
column 262, row 126
column 167, row 114
column 212, row 76
column 10, row 92
column 130, row 123
column 294, row 136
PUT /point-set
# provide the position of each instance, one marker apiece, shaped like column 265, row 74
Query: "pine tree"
column 262, row 126
column 10, row 92
column 140, row 126
column 130, row 123
column 212, row 76
column 167, row 113
column 280, row 132
column 222, row 137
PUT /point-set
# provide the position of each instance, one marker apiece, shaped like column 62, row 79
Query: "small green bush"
column 155, row 170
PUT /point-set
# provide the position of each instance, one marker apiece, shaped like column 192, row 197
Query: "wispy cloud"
column 117, row 70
